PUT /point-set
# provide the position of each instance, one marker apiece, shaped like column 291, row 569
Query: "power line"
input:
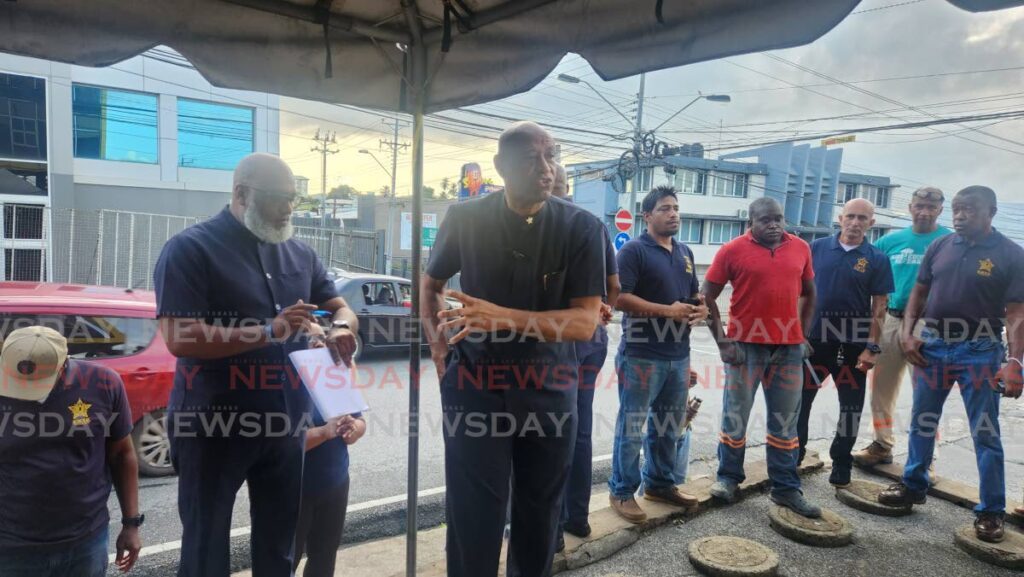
column 896, row 102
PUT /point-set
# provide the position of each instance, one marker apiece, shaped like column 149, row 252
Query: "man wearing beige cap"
column 905, row 249
column 64, row 439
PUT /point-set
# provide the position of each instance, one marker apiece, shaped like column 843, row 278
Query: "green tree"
column 342, row 191
column 449, row 188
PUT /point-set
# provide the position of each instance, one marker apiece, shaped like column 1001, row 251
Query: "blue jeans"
column 651, row 391
column 87, row 558
column 576, row 499
column 972, row 364
column 779, row 370
column 682, row 457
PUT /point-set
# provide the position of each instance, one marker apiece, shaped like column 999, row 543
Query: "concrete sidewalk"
column 611, row 533
column 920, row 544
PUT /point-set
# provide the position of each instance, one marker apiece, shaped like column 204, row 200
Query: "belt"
column 896, row 313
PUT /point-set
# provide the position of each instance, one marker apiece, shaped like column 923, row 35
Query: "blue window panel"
column 212, row 135
column 722, row 231
column 22, row 117
column 690, row 230
column 115, row 124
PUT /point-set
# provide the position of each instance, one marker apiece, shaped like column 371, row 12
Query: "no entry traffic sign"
column 624, row 220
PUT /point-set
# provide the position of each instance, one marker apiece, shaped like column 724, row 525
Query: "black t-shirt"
column 971, row 285
column 536, row 263
column 54, row 475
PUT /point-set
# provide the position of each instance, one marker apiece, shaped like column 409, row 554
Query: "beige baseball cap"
column 30, row 362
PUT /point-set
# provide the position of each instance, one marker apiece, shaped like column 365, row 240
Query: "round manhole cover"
column 723, row 556
column 830, row 530
column 1009, row 553
column 863, row 496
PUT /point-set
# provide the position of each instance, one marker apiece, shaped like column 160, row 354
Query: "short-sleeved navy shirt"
column 326, row 465
column 971, row 285
column 536, row 263
column 220, row 272
column 600, row 339
column 649, row 271
column 845, row 281
column 54, row 475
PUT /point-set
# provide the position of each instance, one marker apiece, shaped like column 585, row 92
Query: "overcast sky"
column 953, row 54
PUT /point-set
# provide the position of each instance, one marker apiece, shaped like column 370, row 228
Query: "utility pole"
column 638, row 133
column 325, row 142
column 395, row 147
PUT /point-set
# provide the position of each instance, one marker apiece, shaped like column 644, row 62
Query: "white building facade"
column 147, row 135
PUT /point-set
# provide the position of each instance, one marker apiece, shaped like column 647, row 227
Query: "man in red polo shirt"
column 773, row 298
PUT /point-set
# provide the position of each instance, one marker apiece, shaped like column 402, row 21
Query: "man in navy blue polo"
column 533, row 276
column 660, row 300
column 969, row 282
column 591, row 356
column 233, row 294
column 853, row 281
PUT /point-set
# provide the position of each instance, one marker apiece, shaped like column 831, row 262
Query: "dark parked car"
column 383, row 305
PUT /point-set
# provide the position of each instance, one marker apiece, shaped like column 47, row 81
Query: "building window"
column 722, row 231
column 22, row 117
column 875, row 234
column 24, row 264
column 849, row 193
column 689, row 181
column 114, row 124
column 734, row 185
column 882, row 197
column 690, row 230
column 212, row 135
column 23, row 221
column 23, row 178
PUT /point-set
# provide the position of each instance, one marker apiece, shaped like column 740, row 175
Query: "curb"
column 610, row 533
column 955, row 492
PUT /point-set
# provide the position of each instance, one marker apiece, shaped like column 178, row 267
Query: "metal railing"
column 120, row 248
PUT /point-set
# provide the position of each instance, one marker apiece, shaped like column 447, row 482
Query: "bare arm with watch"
column 341, row 335
column 1011, row 373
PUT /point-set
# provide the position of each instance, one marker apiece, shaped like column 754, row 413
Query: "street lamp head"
column 363, row 151
column 569, row 79
column 718, row 97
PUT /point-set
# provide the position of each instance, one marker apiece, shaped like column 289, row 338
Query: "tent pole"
column 419, row 93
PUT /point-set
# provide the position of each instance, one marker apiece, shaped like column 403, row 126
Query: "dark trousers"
column 850, row 383
column 490, row 436
column 576, row 506
column 318, row 534
column 211, row 470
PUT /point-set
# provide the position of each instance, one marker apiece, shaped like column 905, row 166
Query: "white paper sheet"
column 329, row 385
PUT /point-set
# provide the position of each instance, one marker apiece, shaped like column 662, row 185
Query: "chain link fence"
column 120, row 248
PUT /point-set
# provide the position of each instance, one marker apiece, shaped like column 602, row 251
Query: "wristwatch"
column 339, row 325
column 874, row 349
column 136, row 521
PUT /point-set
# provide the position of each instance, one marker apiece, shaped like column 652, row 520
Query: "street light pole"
column 638, row 134
column 391, row 202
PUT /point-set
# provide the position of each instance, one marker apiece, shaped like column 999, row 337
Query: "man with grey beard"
column 233, row 295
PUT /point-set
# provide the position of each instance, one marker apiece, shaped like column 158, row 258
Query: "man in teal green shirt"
column 905, row 249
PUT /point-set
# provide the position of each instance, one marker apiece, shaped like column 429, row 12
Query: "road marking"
column 243, row 531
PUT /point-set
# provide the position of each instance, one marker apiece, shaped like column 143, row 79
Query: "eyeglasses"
column 929, row 194
column 276, row 196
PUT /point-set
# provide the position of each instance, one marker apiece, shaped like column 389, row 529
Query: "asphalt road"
column 379, row 470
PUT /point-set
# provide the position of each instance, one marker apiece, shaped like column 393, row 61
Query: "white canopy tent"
column 415, row 56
